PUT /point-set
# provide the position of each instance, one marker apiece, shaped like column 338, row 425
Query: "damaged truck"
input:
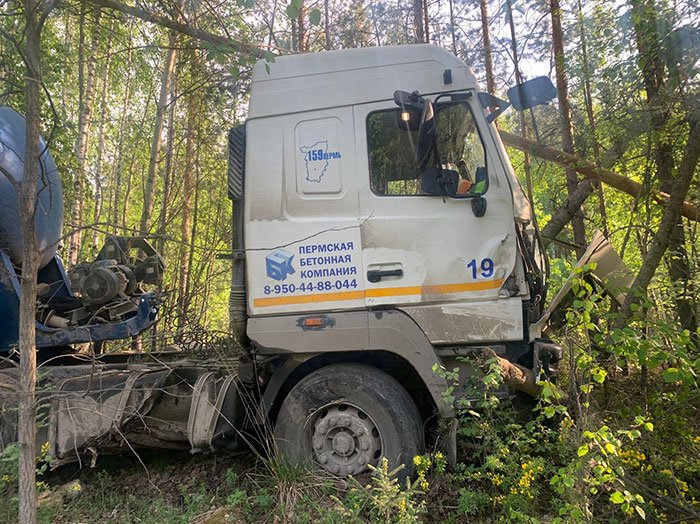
column 379, row 233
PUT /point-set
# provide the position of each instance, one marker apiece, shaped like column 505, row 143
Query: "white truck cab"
column 380, row 229
column 339, row 216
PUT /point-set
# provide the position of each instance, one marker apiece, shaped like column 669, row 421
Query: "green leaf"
column 672, row 375
column 315, row 17
column 547, row 391
column 640, row 511
column 599, row 375
column 292, row 11
column 583, row 450
column 617, row 498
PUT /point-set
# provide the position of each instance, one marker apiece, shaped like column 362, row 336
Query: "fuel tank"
column 49, row 210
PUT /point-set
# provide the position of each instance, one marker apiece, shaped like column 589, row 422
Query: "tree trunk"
column 588, row 170
column 167, row 171
column 426, row 21
column 375, row 25
column 30, row 267
column 327, row 25
column 453, row 35
column 302, row 32
column 150, row 184
column 565, row 126
column 565, row 213
column 488, row 53
column 245, row 49
column 99, row 167
column 119, row 164
column 187, row 297
column 588, row 99
column 669, row 222
column 521, row 115
column 86, row 82
column 418, row 21
column 648, row 41
column 187, row 190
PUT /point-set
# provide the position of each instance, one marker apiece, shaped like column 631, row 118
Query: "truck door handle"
column 375, row 275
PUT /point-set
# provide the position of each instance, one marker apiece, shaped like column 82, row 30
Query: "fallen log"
column 592, row 172
column 514, row 375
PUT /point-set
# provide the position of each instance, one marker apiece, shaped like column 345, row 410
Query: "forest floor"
column 176, row 487
column 510, row 470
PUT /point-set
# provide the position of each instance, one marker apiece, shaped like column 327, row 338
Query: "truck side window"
column 392, row 165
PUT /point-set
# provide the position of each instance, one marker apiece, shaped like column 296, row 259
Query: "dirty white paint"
column 470, row 322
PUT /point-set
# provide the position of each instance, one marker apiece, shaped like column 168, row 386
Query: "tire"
column 346, row 416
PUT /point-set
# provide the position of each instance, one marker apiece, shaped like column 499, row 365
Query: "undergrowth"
column 615, row 440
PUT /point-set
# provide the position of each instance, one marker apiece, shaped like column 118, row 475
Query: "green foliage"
column 571, row 462
column 383, row 499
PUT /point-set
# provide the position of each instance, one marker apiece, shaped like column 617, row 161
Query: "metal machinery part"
column 109, row 303
column 110, row 283
column 102, row 281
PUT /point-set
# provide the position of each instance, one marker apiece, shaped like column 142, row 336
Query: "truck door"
column 428, row 253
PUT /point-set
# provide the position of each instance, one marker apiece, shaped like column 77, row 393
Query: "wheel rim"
column 345, row 439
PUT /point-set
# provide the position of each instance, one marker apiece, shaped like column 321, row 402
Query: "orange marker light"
column 313, row 322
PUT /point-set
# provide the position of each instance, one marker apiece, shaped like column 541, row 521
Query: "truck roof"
column 314, row 81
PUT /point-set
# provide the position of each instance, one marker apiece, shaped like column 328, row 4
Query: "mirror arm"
column 488, row 100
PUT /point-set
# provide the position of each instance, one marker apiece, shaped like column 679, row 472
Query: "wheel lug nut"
column 323, row 459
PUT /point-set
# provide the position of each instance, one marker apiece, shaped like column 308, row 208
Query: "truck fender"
column 357, row 336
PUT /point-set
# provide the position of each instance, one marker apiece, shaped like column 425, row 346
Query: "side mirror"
column 408, row 119
column 535, row 92
column 411, row 104
column 427, row 132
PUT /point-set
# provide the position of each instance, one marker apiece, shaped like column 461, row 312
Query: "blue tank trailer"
column 98, row 301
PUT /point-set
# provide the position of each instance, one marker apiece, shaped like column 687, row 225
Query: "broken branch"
column 590, row 171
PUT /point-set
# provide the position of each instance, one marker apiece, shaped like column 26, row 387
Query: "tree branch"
column 670, row 218
column 590, row 171
column 250, row 50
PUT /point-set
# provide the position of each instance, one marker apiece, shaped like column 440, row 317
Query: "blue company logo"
column 279, row 264
column 316, row 159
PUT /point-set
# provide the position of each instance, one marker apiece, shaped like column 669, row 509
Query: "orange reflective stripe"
column 378, row 293
column 306, row 299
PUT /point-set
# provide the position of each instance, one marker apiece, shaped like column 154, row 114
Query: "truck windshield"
column 393, row 169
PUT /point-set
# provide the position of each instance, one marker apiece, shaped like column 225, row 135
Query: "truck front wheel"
column 347, row 416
